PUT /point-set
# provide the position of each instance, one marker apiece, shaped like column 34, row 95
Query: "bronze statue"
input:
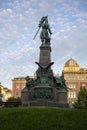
column 45, row 32
column 29, row 82
column 44, row 36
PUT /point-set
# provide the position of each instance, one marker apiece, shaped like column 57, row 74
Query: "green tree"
column 12, row 99
column 0, row 89
column 0, row 94
column 82, row 99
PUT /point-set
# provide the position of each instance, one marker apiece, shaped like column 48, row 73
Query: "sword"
column 36, row 33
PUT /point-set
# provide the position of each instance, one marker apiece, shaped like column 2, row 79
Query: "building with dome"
column 75, row 77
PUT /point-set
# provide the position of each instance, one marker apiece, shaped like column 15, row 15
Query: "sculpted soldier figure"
column 29, row 82
column 44, row 36
column 45, row 32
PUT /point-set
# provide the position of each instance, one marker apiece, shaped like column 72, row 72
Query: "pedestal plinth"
column 45, row 55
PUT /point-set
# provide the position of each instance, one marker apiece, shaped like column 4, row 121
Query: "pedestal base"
column 44, row 103
column 44, row 97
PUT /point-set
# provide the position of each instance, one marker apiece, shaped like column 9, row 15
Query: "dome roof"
column 71, row 63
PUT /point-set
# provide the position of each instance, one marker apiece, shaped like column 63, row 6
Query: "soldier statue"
column 44, row 35
column 45, row 32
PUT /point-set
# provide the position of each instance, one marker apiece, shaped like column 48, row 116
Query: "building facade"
column 6, row 93
column 75, row 77
column 17, row 85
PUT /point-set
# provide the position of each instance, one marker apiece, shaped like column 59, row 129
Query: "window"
column 17, row 94
column 83, row 85
column 83, row 77
column 71, row 85
column 23, row 85
column 71, row 94
column 17, row 86
column 72, row 77
column 70, row 69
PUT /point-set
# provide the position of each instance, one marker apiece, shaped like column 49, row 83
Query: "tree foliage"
column 0, row 95
column 12, row 99
column 82, row 99
column 0, row 89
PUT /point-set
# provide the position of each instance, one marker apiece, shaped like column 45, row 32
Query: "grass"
column 43, row 119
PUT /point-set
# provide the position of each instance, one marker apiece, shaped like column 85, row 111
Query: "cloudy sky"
column 18, row 24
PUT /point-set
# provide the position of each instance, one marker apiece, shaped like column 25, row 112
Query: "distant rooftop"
column 18, row 78
column 83, row 69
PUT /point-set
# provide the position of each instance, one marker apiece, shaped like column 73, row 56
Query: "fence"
column 10, row 104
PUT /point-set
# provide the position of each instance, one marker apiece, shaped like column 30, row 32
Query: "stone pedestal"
column 46, row 90
column 24, row 98
column 45, row 56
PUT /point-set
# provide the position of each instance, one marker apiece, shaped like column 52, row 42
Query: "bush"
column 82, row 99
column 0, row 95
column 12, row 99
column 0, row 100
column 13, row 102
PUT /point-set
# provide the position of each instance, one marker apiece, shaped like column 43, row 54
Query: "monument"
column 45, row 89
